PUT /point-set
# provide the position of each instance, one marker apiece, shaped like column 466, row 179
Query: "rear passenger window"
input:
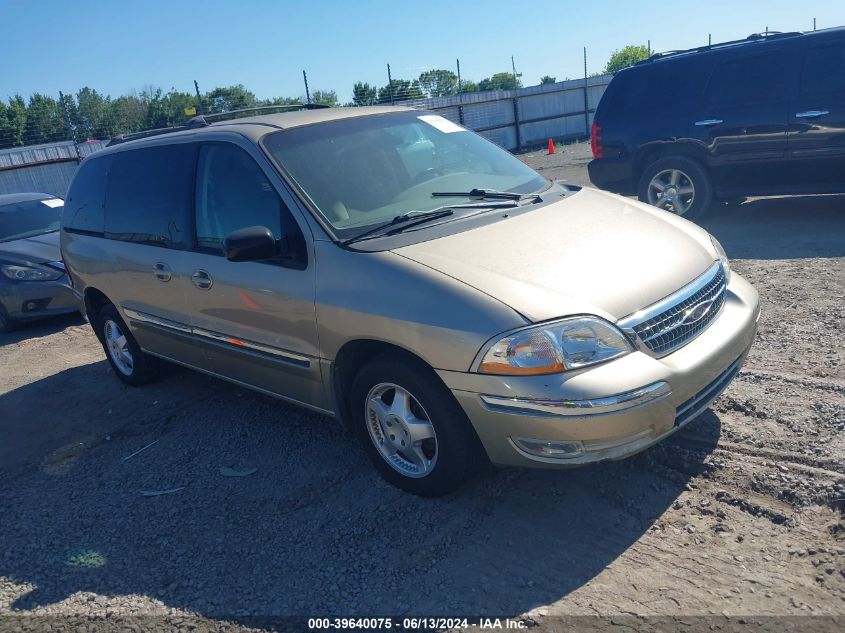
column 748, row 79
column 232, row 193
column 148, row 199
column 824, row 69
column 84, row 204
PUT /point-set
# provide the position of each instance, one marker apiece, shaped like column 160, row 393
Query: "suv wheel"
column 677, row 184
column 130, row 364
column 415, row 432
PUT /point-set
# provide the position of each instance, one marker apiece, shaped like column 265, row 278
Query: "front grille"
column 684, row 318
column 695, row 405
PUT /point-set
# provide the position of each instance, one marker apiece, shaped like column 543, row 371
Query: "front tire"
column 677, row 184
column 129, row 363
column 411, row 426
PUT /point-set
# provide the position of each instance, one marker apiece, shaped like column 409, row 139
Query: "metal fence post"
column 307, row 92
column 199, row 98
column 586, row 98
column 516, row 123
column 460, row 95
column 390, row 84
column 71, row 127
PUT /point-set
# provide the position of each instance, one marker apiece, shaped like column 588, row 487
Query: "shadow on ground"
column 43, row 327
column 314, row 530
column 790, row 227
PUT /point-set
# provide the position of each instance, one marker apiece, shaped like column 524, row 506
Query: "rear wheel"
column 677, row 184
column 416, row 434
column 130, row 364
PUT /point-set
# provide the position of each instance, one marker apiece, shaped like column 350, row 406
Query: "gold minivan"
column 392, row 269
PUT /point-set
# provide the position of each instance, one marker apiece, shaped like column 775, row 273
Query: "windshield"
column 29, row 218
column 365, row 171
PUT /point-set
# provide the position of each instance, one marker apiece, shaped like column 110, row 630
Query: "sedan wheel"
column 401, row 430
column 671, row 190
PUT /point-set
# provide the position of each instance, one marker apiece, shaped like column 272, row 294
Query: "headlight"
column 723, row 257
column 555, row 347
column 30, row 273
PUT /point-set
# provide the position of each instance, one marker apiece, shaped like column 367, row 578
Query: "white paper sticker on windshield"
column 54, row 202
column 444, row 125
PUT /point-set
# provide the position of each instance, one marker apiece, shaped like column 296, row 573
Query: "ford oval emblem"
column 697, row 312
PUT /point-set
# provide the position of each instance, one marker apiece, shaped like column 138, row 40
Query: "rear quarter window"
column 83, row 208
column 657, row 87
column 823, row 71
column 149, row 195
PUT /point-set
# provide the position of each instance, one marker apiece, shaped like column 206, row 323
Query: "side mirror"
column 250, row 244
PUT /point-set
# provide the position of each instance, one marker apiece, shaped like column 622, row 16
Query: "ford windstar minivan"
column 390, row 268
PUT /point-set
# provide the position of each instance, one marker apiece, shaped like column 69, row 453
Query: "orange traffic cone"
column 551, row 146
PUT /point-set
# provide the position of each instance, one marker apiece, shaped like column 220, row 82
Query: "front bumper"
column 613, row 410
column 34, row 299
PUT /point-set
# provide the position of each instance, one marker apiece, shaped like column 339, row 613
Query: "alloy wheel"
column 401, row 430
column 671, row 190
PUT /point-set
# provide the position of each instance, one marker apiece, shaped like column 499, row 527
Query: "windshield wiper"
column 413, row 218
column 404, row 221
column 489, row 194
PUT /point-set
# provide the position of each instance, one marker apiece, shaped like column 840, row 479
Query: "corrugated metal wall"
column 528, row 117
column 42, row 168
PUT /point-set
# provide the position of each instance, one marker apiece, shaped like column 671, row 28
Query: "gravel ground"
column 740, row 513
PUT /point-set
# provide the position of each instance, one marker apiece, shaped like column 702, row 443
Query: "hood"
column 592, row 252
column 37, row 249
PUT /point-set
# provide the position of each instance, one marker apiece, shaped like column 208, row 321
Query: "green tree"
column 438, row 82
column 628, row 56
column 13, row 124
column 44, row 121
column 501, row 81
column 324, row 97
column 228, row 99
column 401, row 90
column 547, row 79
column 363, row 94
column 127, row 114
column 92, row 115
column 468, row 85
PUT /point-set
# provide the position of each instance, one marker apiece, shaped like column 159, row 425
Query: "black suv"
column 760, row 116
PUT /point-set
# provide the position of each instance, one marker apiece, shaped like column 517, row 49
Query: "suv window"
column 84, row 205
column 748, row 79
column 822, row 72
column 232, row 193
column 656, row 87
column 148, row 198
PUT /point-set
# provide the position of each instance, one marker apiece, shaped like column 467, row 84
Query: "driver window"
column 232, row 193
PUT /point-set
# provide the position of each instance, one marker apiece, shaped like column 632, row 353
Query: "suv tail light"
column 595, row 141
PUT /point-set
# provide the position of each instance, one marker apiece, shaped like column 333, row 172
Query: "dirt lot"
column 740, row 513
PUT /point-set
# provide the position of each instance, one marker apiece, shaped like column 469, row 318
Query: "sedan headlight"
column 555, row 347
column 30, row 273
column 723, row 257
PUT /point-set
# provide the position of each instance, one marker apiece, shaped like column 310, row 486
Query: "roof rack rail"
column 754, row 37
column 204, row 120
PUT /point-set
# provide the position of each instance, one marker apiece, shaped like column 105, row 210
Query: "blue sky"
column 116, row 47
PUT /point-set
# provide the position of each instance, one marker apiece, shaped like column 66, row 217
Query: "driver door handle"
column 201, row 279
column 161, row 271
